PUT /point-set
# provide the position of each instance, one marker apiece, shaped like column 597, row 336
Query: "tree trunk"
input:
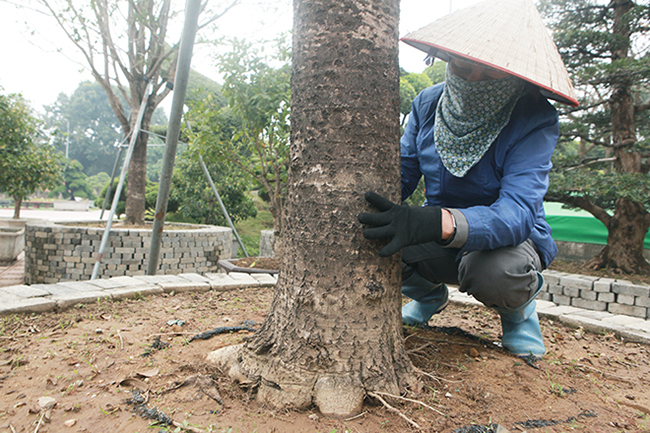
column 136, row 181
column 18, row 202
column 625, row 237
column 334, row 331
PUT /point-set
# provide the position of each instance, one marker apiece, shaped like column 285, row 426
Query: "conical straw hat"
column 508, row 35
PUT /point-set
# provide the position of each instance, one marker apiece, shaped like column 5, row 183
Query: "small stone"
column 70, row 422
column 474, row 353
column 448, row 395
column 313, row 417
column 99, row 331
column 630, row 397
column 46, row 402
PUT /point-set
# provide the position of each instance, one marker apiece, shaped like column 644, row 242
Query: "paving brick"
column 133, row 292
column 87, row 297
column 642, row 302
column 27, row 305
column 562, row 300
column 558, row 311
column 244, row 278
column 55, row 289
column 571, row 292
column 265, row 279
column 22, row 291
column 8, row 297
column 589, row 305
column 578, row 281
column 634, row 335
column 625, row 299
column 622, row 320
column 555, row 290
column 588, row 323
column 626, row 288
column 606, row 297
column 589, row 295
column 220, row 281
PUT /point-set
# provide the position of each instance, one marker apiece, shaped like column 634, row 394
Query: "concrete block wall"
column 267, row 238
column 58, row 252
column 597, row 294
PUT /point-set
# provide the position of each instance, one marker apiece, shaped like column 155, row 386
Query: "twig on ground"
column 356, row 416
column 40, row 420
column 412, row 401
column 187, row 427
column 392, row 409
column 429, row 375
column 121, row 340
column 613, row 376
column 418, row 349
column 13, row 430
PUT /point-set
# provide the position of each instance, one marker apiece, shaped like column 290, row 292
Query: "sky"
column 39, row 62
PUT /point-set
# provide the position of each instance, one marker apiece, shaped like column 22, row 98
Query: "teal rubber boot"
column 522, row 335
column 428, row 299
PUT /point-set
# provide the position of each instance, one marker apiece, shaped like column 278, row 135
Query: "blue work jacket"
column 502, row 195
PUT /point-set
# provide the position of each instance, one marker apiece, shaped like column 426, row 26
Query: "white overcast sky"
column 37, row 60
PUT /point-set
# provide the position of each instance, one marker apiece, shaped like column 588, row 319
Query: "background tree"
column 26, row 165
column 602, row 161
column 192, row 195
column 75, row 182
column 334, row 330
column 126, row 46
column 85, row 123
column 252, row 131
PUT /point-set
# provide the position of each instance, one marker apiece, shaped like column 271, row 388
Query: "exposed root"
column 392, row 409
column 410, row 400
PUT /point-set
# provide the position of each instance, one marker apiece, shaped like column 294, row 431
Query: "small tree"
column 195, row 199
column 252, row 132
column 75, row 182
column 25, row 164
column 602, row 161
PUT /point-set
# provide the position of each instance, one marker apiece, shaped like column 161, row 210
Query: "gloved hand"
column 404, row 225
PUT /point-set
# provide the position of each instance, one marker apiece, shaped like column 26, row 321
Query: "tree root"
column 392, row 409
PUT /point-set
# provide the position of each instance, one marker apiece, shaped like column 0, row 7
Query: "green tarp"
column 577, row 226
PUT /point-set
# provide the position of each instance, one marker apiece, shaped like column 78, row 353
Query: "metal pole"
column 192, row 9
column 223, row 207
column 120, row 184
column 110, row 185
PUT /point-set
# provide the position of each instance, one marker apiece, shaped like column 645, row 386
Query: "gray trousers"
column 501, row 278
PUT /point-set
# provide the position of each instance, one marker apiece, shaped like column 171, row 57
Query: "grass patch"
column 249, row 229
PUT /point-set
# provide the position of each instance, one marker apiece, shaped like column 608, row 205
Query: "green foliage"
column 436, row 72
column 151, row 195
column 25, row 164
column 195, row 198
column 603, row 61
column 98, row 181
column 75, row 182
column 252, row 131
column 250, row 228
column 87, row 123
column 410, row 85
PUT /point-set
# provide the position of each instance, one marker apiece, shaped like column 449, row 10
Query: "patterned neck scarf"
column 469, row 117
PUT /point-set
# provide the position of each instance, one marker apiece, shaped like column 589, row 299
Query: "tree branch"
column 584, row 204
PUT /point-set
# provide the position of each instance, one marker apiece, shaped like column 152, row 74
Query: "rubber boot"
column 522, row 335
column 428, row 299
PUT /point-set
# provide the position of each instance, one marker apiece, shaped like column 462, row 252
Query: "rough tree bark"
column 334, row 330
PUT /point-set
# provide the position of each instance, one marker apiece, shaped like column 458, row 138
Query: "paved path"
column 18, row 298
column 48, row 297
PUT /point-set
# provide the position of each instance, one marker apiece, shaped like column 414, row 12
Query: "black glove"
column 404, row 225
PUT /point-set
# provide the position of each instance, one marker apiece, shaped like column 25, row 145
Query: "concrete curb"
column 56, row 297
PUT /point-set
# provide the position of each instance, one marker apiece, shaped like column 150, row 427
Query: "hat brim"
column 445, row 54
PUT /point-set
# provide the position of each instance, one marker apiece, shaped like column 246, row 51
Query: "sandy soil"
column 122, row 366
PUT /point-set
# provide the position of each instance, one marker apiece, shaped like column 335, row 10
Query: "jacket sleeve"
column 510, row 220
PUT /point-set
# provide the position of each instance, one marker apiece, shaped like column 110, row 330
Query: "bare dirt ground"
column 122, row 366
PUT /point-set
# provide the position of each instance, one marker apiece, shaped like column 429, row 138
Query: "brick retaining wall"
column 597, row 294
column 57, row 252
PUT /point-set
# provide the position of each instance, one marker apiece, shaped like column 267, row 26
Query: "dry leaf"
column 148, row 373
column 136, row 383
